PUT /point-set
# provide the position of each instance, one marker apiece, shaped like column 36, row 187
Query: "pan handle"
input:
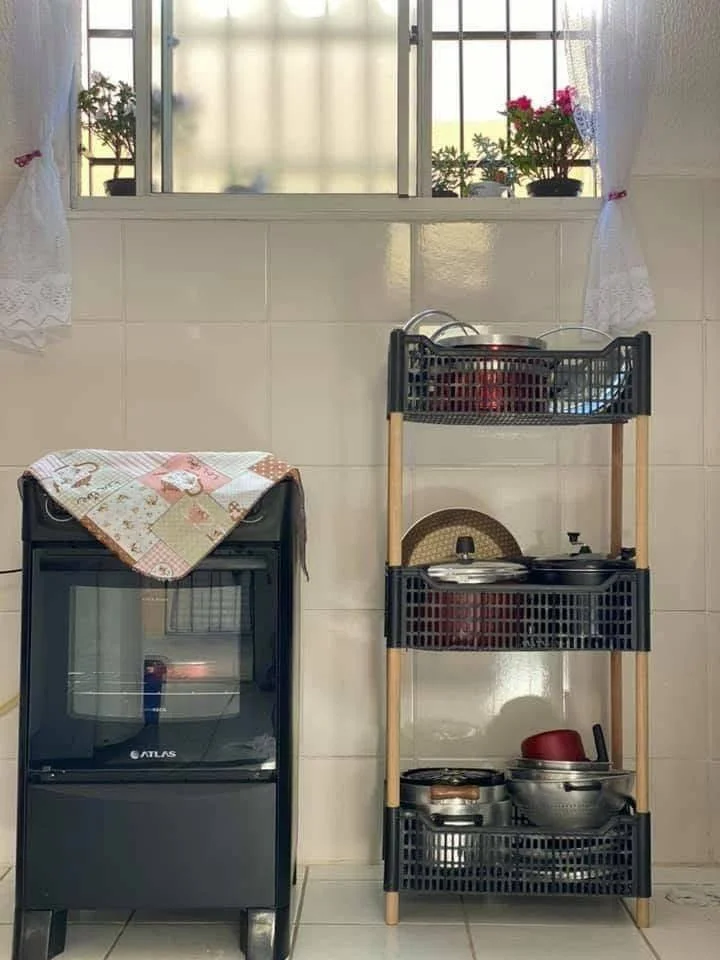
column 600, row 744
column 445, row 821
column 593, row 786
column 424, row 314
column 600, row 333
column 450, row 792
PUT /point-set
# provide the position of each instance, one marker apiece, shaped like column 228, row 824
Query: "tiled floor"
column 339, row 917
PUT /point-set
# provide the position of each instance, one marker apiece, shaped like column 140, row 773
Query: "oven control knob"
column 55, row 512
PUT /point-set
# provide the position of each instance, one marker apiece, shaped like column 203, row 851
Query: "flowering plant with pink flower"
column 544, row 142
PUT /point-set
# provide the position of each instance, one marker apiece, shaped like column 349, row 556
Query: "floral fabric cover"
column 162, row 513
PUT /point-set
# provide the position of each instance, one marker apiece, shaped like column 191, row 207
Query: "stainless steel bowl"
column 572, row 803
column 572, row 766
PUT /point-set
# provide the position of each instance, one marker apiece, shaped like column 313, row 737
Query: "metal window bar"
column 419, row 35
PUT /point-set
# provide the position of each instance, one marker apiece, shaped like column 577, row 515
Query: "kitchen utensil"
column 433, row 539
column 571, row 803
column 561, row 766
column 581, row 567
column 452, row 841
column 600, row 744
column 452, row 790
column 473, row 380
column 554, row 745
column 472, row 619
column 585, row 385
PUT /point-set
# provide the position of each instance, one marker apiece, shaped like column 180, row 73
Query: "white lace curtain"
column 611, row 47
column 34, row 239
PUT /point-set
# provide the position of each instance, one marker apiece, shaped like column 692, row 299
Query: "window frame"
column 402, row 206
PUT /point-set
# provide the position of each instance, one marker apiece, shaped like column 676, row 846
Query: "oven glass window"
column 138, row 671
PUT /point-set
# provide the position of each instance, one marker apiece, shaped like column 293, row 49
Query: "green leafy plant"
column 544, row 143
column 452, row 171
column 493, row 161
column 107, row 112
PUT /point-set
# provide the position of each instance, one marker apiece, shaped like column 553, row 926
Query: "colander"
column 575, row 803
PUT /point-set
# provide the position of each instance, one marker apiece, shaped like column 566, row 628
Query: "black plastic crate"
column 481, row 385
column 520, row 859
column 426, row 615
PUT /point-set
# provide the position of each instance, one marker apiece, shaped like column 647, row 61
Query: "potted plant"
column 494, row 165
column 452, row 170
column 544, row 143
column 107, row 112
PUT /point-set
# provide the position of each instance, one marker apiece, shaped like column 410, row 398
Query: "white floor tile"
column 525, row 942
column 378, row 942
column 189, row 941
column 345, row 871
column 90, row 941
column 561, row 911
column 6, row 935
column 686, row 874
column 362, row 901
column 99, row 916
column 185, row 916
column 679, row 931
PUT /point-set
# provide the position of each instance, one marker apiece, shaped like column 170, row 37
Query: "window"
column 302, row 96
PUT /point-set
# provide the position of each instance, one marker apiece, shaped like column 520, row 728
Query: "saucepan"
column 563, row 745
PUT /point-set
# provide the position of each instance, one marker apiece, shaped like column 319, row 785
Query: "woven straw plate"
column 433, row 539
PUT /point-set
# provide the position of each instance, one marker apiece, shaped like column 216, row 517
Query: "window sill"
column 318, row 208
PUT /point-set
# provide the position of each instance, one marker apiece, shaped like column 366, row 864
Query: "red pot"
column 554, row 745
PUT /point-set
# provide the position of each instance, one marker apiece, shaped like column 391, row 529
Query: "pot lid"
column 453, row 777
column 477, row 571
column 489, row 338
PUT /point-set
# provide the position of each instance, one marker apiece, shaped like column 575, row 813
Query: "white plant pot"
column 486, row 188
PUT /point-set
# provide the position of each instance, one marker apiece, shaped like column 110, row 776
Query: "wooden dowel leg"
column 616, row 709
column 392, row 909
column 642, row 914
column 616, row 527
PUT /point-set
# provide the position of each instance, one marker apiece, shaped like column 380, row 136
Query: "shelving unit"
column 428, row 383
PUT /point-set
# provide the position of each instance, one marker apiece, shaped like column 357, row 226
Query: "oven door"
column 130, row 676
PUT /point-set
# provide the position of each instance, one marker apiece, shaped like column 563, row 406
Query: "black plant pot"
column 438, row 192
column 120, row 187
column 555, row 187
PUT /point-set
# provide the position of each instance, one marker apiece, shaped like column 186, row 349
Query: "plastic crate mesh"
column 516, row 860
column 518, row 617
column 483, row 385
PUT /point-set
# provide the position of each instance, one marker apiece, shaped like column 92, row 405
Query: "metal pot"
column 471, row 618
column 589, row 384
column 572, row 802
column 564, row 747
column 453, row 791
column 460, row 380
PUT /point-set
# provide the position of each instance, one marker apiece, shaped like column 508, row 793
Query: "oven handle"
column 92, row 562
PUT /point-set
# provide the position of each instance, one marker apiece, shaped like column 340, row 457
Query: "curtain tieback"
column 24, row 159
column 617, row 195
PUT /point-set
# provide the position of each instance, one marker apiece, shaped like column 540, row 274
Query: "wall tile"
column 677, row 535
column 198, row 387
column 193, row 271
column 328, row 393
column 97, row 269
column 713, row 654
column 712, row 394
column 488, row 273
column 668, row 216
column 10, row 525
column 340, row 272
column 9, row 735
column 585, row 505
column 340, row 809
column 525, row 501
column 680, row 808
column 8, row 801
column 9, row 655
column 715, row 812
column 431, row 445
column 712, row 520
column 468, row 706
column 711, row 250
column 70, row 396
column 575, row 243
column 679, row 686
column 346, row 538
column 342, row 681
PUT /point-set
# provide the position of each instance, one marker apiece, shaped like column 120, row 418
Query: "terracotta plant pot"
column 555, row 187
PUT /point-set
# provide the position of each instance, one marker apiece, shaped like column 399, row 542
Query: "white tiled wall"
column 238, row 335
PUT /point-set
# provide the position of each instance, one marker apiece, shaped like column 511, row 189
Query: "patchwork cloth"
column 162, row 513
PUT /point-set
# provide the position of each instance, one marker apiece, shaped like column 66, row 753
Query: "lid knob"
column 574, row 537
column 465, row 547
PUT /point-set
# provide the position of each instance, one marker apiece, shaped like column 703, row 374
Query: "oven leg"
column 39, row 934
column 268, row 934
